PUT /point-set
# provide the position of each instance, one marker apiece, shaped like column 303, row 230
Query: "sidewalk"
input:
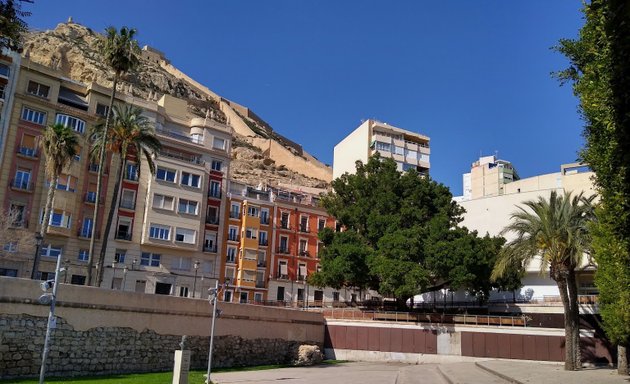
column 545, row 373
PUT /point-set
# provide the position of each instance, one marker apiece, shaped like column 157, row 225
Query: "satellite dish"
column 45, row 299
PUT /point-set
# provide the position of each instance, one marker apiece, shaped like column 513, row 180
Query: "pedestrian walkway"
column 469, row 372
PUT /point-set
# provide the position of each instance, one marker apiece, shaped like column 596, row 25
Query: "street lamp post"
column 133, row 264
column 52, row 321
column 213, row 294
column 38, row 244
column 114, row 275
column 125, row 270
column 194, row 292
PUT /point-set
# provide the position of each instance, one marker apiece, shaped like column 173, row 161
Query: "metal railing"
column 212, row 249
column 127, row 204
column 22, row 185
column 26, row 151
column 123, row 236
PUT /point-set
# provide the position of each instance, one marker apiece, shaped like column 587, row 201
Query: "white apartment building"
column 408, row 149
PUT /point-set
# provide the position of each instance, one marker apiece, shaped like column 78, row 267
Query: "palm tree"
column 555, row 230
column 131, row 133
column 59, row 145
column 120, row 52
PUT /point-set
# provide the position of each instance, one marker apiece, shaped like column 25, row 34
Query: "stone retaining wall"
column 111, row 350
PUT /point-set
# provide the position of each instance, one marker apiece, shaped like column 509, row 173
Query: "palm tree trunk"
column 90, row 265
column 110, row 216
column 622, row 359
column 569, row 347
column 47, row 210
column 575, row 319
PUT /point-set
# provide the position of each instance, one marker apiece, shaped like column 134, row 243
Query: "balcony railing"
column 212, row 220
column 127, row 204
column 177, row 135
column 234, row 238
column 131, row 176
column 22, row 185
column 28, row 152
column 301, row 278
column 230, row 261
column 283, row 250
column 264, row 220
column 183, row 157
column 214, row 194
column 260, row 284
column 304, row 253
column 210, row 248
column 261, row 263
column 234, row 215
column 284, row 225
column 87, row 233
column 304, row 228
column 123, row 235
column 263, row 243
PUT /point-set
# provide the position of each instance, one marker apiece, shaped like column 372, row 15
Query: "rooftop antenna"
column 496, row 154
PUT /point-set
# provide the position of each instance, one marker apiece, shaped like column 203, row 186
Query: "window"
column 59, row 218
column 86, row 227
column 262, row 239
column 215, row 189
column 5, row 71
column 262, row 255
column 190, row 179
column 77, row 125
column 22, row 179
column 187, row 206
column 163, row 202
column 212, row 216
column 321, row 224
column 264, row 216
column 38, row 89
column 210, row 242
column 165, row 175
column 11, row 247
column 284, row 220
column 33, row 116
column 77, row 156
column 28, row 147
column 235, row 209
column 84, row 255
column 131, row 171
column 123, row 231
column 216, row 165
column 283, row 272
column 160, row 232
column 218, row 143
column 251, row 233
column 185, row 235
column 9, row 272
column 253, row 211
column 128, row 199
column 249, row 276
column 303, row 247
column 50, row 251
column 302, row 272
column 258, row 297
column 150, row 259
column 181, row 263
column 66, row 183
column 16, row 215
column 233, row 233
column 250, row 254
column 303, row 223
column 196, row 138
column 284, row 244
column 386, row 147
column 119, row 256
column 231, row 255
column 102, row 109
column 183, row 291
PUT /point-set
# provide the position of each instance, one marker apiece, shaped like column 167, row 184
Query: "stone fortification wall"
column 101, row 331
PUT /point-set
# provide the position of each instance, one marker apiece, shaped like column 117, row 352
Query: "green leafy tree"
column 59, row 145
column 557, row 231
column 600, row 75
column 400, row 236
column 131, row 133
column 120, row 51
column 12, row 24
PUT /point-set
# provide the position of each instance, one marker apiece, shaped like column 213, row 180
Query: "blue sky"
column 472, row 75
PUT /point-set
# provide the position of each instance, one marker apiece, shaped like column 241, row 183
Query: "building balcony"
column 261, row 264
column 214, row 194
column 131, row 176
column 234, row 215
column 210, row 248
column 27, row 152
column 230, row 261
column 260, row 284
column 263, row 243
column 283, row 277
column 177, row 135
column 131, row 205
column 301, row 278
column 87, row 234
column 304, row 229
column 283, row 250
column 284, row 225
column 192, row 159
column 304, row 253
column 123, row 235
column 234, row 238
column 19, row 185
column 264, row 220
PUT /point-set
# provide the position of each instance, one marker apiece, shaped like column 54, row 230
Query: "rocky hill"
column 259, row 153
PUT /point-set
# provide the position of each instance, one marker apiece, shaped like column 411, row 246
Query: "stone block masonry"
column 113, row 350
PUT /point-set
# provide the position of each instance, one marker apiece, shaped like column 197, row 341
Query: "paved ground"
column 479, row 372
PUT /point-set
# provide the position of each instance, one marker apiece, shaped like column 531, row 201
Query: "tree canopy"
column 12, row 24
column 400, row 236
column 600, row 75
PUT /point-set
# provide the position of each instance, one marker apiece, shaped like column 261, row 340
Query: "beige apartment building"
column 410, row 150
column 488, row 177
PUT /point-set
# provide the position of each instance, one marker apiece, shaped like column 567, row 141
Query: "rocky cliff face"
column 73, row 50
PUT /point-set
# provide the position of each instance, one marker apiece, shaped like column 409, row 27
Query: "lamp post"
column 114, row 275
column 38, row 244
column 52, row 320
column 213, row 294
column 125, row 270
column 66, row 268
column 194, row 292
column 133, row 264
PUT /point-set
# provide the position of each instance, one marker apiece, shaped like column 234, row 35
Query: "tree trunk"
column 622, row 359
column 569, row 347
column 110, row 216
column 47, row 210
column 90, row 265
column 575, row 318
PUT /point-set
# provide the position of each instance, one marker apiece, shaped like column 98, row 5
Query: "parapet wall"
column 101, row 331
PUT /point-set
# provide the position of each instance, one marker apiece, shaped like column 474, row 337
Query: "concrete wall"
column 137, row 332
column 353, row 147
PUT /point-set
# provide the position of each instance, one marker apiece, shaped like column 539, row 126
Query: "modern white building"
column 408, row 149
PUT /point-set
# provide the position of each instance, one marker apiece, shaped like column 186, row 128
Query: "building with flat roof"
column 488, row 177
column 408, row 149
